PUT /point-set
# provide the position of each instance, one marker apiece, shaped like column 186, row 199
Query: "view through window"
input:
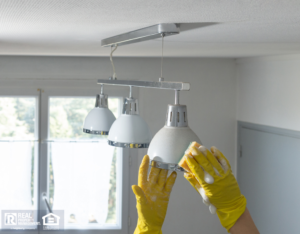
column 18, row 156
column 82, row 167
column 84, row 172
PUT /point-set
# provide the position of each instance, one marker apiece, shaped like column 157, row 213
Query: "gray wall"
column 268, row 91
column 211, row 104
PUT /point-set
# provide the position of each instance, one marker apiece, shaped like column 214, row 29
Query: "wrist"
column 144, row 228
column 244, row 225
column 229, row 216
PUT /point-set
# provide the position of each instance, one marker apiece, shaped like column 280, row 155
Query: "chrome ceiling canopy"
column 144, row 34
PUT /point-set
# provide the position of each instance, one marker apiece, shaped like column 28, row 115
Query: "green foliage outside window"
column 18, row 120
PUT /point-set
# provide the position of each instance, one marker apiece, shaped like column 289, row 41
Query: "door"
column 268, row 175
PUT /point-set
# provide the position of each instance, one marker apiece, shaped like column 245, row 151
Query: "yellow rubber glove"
column 211, row 173
column 152, row 197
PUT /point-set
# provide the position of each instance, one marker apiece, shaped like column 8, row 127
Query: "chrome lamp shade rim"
column 128, row 145
column 94, row 132
column 166, row 166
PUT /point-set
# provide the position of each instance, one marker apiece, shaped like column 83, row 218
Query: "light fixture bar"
column 148, row 84
column 144, row 34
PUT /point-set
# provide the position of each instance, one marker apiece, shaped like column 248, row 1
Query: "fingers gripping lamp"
column 129, row 130
column 99, row 119
column 168, row 145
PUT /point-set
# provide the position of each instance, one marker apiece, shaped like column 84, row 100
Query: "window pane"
column 83, row 177
column 18, row 167
column 17, row 118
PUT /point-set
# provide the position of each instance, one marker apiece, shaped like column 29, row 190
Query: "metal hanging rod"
column 148, row 84
column 144, row 34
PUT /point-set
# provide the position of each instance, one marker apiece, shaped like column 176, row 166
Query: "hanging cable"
column 162, row 56
column 112, row 62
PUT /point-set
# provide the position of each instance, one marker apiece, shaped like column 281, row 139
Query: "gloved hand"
column 152, row 197
column 212, row 177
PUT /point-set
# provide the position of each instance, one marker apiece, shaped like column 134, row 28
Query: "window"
column 18, row 157
column 44, row 151
column 82, row 167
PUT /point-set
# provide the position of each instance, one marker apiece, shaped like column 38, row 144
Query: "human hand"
column 152, row 197
column 211, row 175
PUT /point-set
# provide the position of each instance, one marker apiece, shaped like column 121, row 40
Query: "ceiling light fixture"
column 169, row 144
column 130, row 130
column 99, row 120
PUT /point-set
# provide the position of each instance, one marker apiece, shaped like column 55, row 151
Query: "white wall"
column 211, row 104
column 268, row 91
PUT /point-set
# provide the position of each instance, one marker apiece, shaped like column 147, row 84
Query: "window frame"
column 54, row 89
column 44, row 173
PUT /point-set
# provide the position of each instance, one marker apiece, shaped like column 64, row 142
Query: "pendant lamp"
column 170, row 143
column 129, row 130
column 99, row 119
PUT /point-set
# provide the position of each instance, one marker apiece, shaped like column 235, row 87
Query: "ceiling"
column 211, row 28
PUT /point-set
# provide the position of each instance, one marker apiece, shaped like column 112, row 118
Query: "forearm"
column 244, row 225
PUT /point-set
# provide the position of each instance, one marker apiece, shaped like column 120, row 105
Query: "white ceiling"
column 222, row 28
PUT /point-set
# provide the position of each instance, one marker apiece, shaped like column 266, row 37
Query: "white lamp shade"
column 170, row 143
column 129, row 129
column 99, row 121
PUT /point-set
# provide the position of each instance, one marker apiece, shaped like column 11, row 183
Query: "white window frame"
column 61, row 89
column 75, row 92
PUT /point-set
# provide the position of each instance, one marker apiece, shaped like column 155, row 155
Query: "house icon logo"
column 51, row 219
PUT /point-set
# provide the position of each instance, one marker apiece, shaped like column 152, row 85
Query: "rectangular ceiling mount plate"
column 144, row 34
